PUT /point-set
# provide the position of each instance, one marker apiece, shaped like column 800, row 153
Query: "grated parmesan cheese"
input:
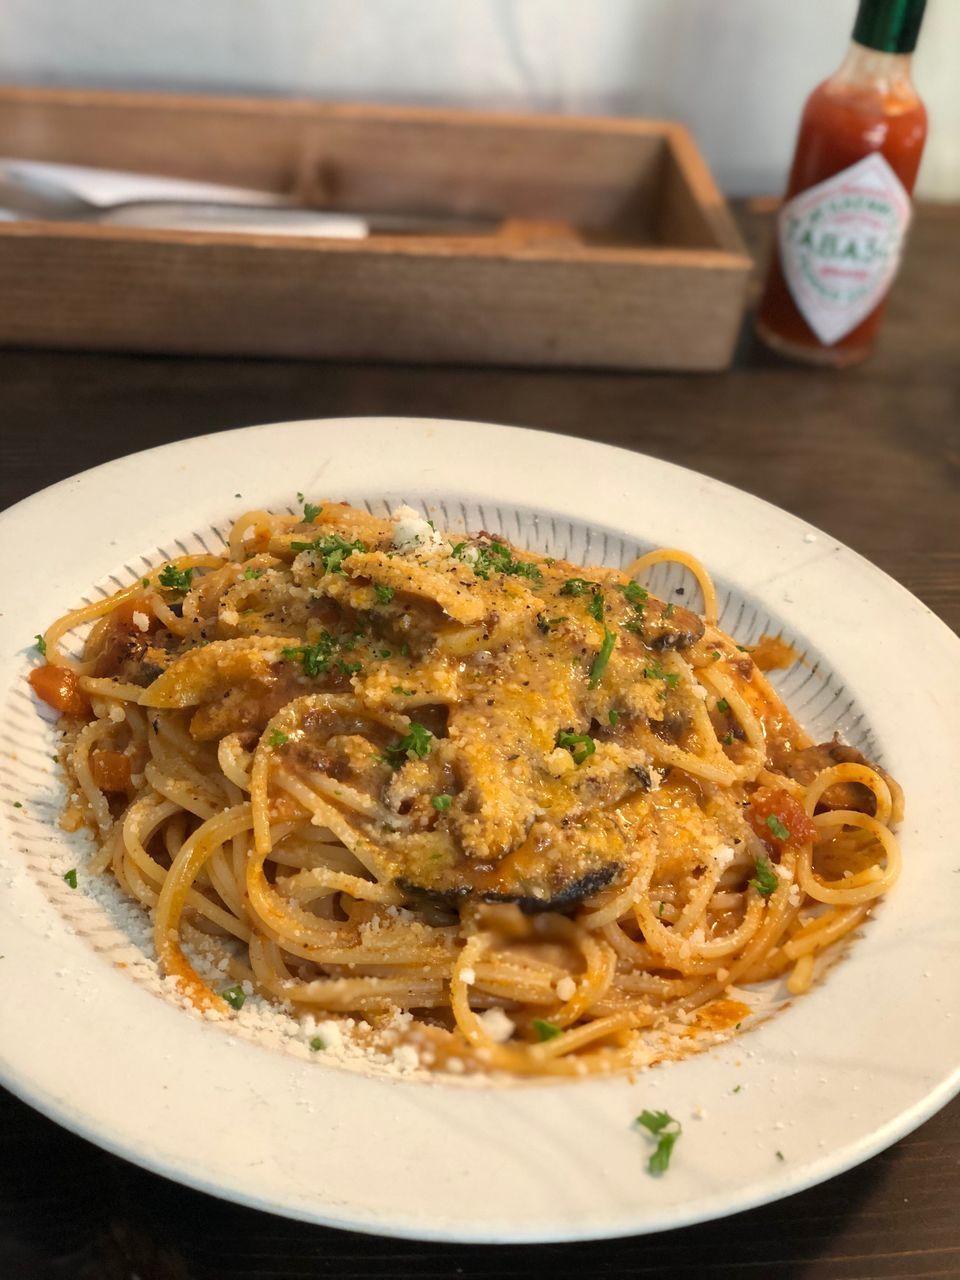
column 140, row 620
column 566, row 989
column 724, row 855
column 406, row 1057
column 497, row 1025
column 412, row 530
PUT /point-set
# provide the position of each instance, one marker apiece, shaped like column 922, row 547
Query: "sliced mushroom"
column 670, row 626
column 804, row 765
column 541, row 895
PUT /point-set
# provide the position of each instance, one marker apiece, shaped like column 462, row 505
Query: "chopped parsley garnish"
column 660, row 910
column 144, row 582
column 497, row 558
column 578, row 587
column 743, row 648
column 384, row 653
column 442, row 803
column 595, row 607
column 317, row 1043
column 546, row 1030
column 415, row 744
column 382, row 594
column 314, row 658
column 547, row 624
column 41, row 645
column 299, row 496
column 17, row 804
column 252, row 573
column 635, row 594
column 175, row 579
column 311, row 511
column 716, row 655
column 352, row 638
column 779, row 1155
column 656, row 672
column 404, row 693
column 330, row 550
column 668, row 611
column 766, row 879
column 349, row 668
column 739, row 1086
column 666, row 1130
column 727, row 739
column 580, row 745
column 235, row 996
column 599, row 664
column 612, row 718
column 71, row 877
column 723, row 705
column 278, row 738
column 777, row 827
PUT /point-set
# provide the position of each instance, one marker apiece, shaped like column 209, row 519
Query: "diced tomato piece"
column 110, row 770
column 778, row 819
column 59, row 688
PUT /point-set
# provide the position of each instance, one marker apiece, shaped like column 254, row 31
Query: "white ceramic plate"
column 840, row 1074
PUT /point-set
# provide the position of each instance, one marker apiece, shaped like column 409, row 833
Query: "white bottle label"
column 840, row 245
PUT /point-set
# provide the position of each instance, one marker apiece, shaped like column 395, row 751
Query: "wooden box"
column 616, row 248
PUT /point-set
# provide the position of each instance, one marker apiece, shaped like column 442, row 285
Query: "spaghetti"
column 363, row 767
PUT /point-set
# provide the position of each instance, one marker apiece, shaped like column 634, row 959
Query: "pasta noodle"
column 363, row 768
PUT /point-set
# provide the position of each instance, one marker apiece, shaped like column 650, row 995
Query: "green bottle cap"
column 889, row 25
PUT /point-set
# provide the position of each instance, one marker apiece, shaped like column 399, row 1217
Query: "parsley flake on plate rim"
column 666, row 1129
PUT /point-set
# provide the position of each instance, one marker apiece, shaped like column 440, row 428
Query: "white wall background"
column 736, row 71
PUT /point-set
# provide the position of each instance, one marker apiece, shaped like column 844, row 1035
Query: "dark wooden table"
column 872, row 455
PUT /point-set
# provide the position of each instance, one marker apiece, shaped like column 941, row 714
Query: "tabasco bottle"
column 841, row 229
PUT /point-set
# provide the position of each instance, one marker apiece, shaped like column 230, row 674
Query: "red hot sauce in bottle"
column 847, row 207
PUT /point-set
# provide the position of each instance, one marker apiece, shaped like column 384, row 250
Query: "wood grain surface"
column 872, row 455
column 633, row 213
